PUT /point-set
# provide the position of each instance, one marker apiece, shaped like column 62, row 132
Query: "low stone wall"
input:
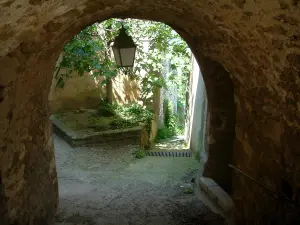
column 129, row 136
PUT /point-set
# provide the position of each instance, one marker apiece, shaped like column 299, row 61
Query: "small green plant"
column 186, row 144
column 189, row 190
column 140, row 153
column 115, row 117
column 163, row 133
column 198, row 156
column 125, row 116
column 172, row 127
column 135, row 108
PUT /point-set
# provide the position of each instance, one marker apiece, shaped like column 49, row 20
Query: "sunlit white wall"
column 195, row 129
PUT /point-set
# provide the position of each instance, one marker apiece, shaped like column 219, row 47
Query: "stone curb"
column 75, row 135
column 76, row 139
column 218, row 196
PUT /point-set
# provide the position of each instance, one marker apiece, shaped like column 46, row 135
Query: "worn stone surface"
column 107, row 185
column 257, row 42
column 128, row 136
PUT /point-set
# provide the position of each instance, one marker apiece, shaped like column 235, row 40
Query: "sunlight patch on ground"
column 171, row 145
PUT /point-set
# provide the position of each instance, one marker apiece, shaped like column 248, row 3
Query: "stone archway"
column 256, row 41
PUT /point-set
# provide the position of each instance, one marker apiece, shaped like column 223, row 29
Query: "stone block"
column 217, row 195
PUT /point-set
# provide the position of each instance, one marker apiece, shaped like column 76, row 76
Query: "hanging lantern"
column 124, row 49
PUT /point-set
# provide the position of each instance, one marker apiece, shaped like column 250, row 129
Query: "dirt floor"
column 108, row 186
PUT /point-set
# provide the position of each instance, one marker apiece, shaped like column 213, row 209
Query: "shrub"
column 189, row 190
column 164, row 133
column 106, row 110
column 140, row 153
column 198, row 156
column 130, row 114
column 171, row 123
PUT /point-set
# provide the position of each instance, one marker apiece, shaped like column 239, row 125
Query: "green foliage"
column 186, row 144
column 198, row 156
column 172, row 127
column 149, row 82
column 115, row 116
column 164, row 45
column 90, row 52
column 126, row 115
column 134, row 112
column 140, row 153
column 87, row 52
column 164, row 133
column 106, row 110
column 170, row 119
column 189, row 190
column 134, row 108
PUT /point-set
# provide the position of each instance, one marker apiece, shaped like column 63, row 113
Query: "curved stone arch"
column 256, row 41
column 218, row 80
column 44, row 61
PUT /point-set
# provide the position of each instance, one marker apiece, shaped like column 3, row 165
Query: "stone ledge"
column 128, row 135
column 218, row 196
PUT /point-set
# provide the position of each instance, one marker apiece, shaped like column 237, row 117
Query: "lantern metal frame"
column 123, row 41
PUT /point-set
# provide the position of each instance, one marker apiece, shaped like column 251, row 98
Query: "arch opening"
column 202, row 88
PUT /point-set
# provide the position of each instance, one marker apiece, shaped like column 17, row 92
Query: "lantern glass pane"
column 127, row 56
column 117, row 56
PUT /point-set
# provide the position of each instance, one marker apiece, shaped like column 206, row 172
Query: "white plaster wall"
column 195, row 130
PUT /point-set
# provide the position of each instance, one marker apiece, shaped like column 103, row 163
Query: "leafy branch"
column 90, row 52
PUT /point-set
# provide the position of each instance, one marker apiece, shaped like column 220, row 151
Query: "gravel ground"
column 108, row 186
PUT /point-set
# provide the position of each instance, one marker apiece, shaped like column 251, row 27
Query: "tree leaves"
column 90, row 50
column 86, row 52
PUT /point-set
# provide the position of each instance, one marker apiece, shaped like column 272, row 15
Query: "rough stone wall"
column 86, row 91
column 28, row 173
column 125, row 90
column 79, row 91
column 257, row 42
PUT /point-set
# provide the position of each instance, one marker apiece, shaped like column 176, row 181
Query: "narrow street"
column 109, row 186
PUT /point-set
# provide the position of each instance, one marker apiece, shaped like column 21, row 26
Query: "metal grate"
column 170, row 154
